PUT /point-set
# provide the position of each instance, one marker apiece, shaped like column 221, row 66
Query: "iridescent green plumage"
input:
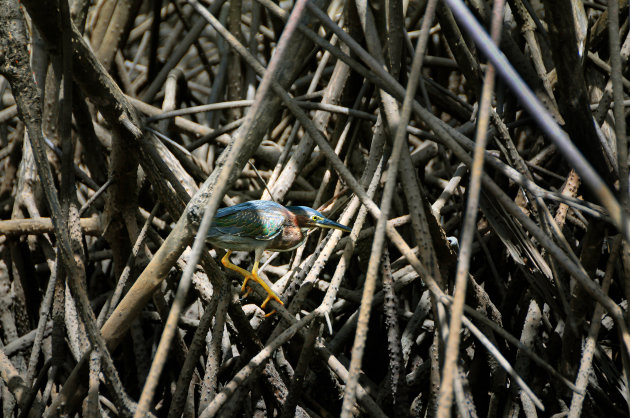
column 263, row 225
column 249, row 220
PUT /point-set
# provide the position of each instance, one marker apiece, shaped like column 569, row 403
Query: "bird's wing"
column 250, row 222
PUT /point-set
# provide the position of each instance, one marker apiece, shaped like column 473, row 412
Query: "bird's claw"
column 269, row 297
column 270, row 294
column 248, row 291
column 246, row 288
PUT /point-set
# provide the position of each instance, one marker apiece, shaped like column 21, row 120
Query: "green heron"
column 261, row 225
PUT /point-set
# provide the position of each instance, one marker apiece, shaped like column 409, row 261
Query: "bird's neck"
column 289, row 239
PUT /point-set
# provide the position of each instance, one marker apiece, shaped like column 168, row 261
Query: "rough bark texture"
column 99, row 211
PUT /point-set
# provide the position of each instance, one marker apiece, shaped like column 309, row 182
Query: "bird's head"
column 310, row 218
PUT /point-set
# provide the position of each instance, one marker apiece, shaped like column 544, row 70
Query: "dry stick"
column 17, row 386
column 68, row 192
column 327, row 250
column 10, row 331
column 194, row 351
column 92, row 404
column 204, row 132
column 219, row 83
column 528, row 29
column 386, row 82
column 605, row 67
column 463, row 396
column 199, row 243
column 502, row 360
column 251, row 133
column 44, row 310
column 331, row 108
column 282, row 180
column 111, row 304
column 176, row 56
column 82, row 175
column 211, row 376
column 100, row 22
column 515, row 341
column 398, row 387
column 125, row 82
column 242, row 378
column 255, row 26
column 447, row 134
column 468, row 229
column 38, row 226
column 253, row 62
column 335, row 365
column 218, row 133
column 42, row 377
column 449, row 190
column 390, row 185
column 106, row 49
column 415, row 200
column 551, row 227
column 584, row 372
column 620, row 133
column 7, row 114
column 95, row 196
column 402, row 245
column 301, row 372
column 529, row 335
column 25, row 341
column 605, row 101
column 27, row 98
column 395, row 237
column 170, row 92
column 340, row 143
column 200, row 50
column 57, row 336
column 179, row 347
column 546, row 122
column 282, row 161
column 320, row 140
column 200, row 109
column 194, row 167
column 371, row 177
column 235, row 75
column 392, row 233
column 444, row 133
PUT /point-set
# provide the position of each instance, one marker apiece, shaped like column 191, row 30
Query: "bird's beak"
column 327, row 223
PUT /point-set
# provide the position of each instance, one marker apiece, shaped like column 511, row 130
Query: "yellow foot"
column 270, row 293
column 269, row 297
column 248, row 291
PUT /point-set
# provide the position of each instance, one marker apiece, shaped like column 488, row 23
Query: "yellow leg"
column 270, row 293
column 253, row 276
column 226, row 262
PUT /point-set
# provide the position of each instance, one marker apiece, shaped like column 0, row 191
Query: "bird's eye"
column 317, row 218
